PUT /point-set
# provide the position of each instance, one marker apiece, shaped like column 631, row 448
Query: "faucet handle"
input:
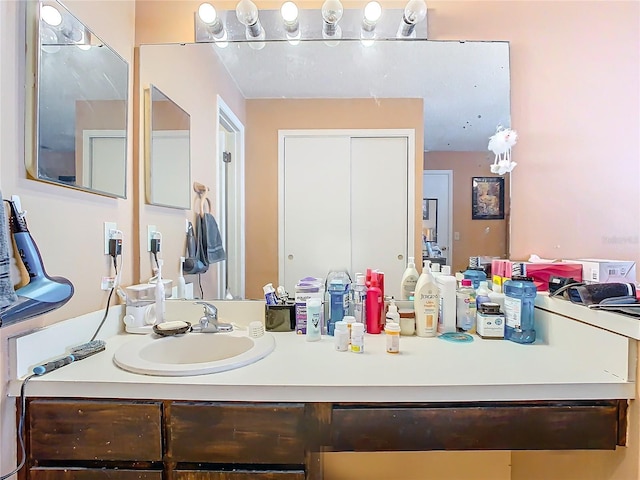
column 209, row 309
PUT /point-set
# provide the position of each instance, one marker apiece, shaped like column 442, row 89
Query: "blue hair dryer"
column 43, row 293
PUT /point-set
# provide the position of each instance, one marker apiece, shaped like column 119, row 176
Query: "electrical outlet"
column 151, row 230
column 109, row 228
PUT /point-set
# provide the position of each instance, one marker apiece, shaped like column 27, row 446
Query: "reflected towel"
column 212, row 240
column 7, row 293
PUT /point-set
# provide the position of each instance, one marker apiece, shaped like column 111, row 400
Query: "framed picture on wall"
column 487, row 198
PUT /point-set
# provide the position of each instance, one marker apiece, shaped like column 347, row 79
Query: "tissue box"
column 597, row 270
column 541, row 272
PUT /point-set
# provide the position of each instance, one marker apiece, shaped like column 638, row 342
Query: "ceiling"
column 465, row 85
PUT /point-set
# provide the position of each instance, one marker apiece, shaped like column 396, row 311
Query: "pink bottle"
column 374, row 305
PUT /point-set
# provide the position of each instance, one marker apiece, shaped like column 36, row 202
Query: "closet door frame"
column 411, row 177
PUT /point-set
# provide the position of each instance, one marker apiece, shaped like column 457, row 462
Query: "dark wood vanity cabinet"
column 83, row 439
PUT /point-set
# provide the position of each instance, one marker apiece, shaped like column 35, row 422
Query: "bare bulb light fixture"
column 289, row 13
column 247, row 13
column 208, row 15
column 50, row 15
column 414, row 13
column 332, row 11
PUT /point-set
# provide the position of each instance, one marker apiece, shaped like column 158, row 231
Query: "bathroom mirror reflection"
column 79, row 101
column 167, row 151
column 462, row 89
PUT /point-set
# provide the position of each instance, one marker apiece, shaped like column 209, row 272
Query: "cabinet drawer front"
column 78, row 430
column 572, row 425
column 91, row 474
column 239, row 475
column 238, row 433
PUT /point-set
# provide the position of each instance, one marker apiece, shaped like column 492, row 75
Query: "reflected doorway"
column 230, row 188
column 438, row 185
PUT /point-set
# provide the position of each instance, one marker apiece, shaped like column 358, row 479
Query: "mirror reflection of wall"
column 464, row 99
column 80, row 101
column 167, row 151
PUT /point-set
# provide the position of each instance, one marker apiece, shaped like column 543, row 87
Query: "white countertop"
column 426, row 370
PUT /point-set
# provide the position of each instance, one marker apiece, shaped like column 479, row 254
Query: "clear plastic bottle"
column 466, row 307
column 482, row 293
column 358, row 299
column 409, row 279
column 520, row 294
column 357, row 337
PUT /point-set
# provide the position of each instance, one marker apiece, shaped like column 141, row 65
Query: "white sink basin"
column 192, row 353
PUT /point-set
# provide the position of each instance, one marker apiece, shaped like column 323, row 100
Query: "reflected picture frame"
column 487, row 198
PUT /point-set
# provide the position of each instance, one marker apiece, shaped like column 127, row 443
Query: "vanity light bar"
column 333, row 21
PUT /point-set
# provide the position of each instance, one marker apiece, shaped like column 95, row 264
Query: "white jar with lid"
column 392, row 331
column 357, row 337
column 407, row 321
column 341, row 336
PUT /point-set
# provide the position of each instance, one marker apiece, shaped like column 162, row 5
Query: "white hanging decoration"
column 500, row 144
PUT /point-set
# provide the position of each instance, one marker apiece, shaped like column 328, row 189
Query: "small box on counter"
column 543, row 271
column 597, row 270
column 280, row 318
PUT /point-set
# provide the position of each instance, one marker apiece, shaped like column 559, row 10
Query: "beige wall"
column 477, row 237
column 264, row 119
column 66, row 224
column 575, row 96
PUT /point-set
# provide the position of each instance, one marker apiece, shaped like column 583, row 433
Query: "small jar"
column 341, row 336
column 392, row 331
column 357, row 337
column 407, row 321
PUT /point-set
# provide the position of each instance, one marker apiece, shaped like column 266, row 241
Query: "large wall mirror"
column 167, row 151
column 79, row 104
column 462, row 90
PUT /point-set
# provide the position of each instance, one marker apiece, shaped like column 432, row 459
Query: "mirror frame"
column 32, row 100
column 148, row 152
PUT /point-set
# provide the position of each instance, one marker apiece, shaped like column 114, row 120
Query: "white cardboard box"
column 597, row 270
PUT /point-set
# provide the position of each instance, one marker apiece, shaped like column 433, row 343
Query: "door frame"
column 409, row 133
column 449, row 223
column 229, row 119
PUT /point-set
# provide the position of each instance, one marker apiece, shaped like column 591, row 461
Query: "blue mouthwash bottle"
column 520, row 294
column 339, row 300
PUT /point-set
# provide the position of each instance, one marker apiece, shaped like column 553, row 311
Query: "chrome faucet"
column 209, row 321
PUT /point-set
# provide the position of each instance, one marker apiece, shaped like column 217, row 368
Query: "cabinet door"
column 239, row 475
column 379, row 173
column 92, row 474
column 316, row 208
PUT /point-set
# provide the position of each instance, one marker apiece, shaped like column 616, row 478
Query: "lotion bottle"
column 426, row 303
column 159, row 294
column 409, row 280
column 447, row 284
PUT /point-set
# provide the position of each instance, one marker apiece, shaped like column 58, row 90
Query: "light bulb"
column 84, row 47
column 415, row 11
column 247, row 12
column 372, row 13
column 289, row 12
column 207, row 13
column 332, row 11
column 49, row 40
column 51, row 15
